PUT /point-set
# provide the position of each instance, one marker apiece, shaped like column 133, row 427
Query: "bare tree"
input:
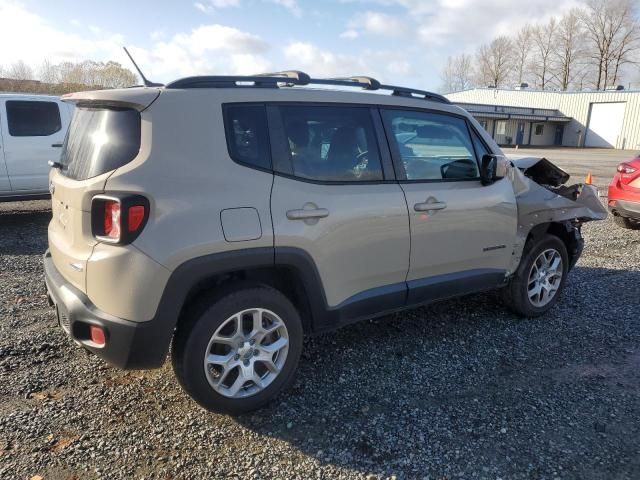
column 48, row 72
column 626, row 47
column 457, row 74
column 20, row 71
column 544, row 45
column 569, row 41
column 522, row 46
column 613, row 34
column 495, row 62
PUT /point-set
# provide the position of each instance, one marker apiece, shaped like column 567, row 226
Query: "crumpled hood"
column 542, row 197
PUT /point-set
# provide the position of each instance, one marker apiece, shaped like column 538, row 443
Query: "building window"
column 539, row 129
column 501, row 127
column 483, row 124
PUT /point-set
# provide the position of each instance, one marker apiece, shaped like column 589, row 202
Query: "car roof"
column 27, row 96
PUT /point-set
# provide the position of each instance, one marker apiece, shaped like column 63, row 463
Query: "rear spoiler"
column 138, row 98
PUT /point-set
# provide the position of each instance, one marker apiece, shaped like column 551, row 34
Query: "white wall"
column 575, row 105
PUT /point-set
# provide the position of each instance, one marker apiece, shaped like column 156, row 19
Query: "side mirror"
column 492, row 168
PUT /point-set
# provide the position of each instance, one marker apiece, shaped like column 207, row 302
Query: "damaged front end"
column 546, row 204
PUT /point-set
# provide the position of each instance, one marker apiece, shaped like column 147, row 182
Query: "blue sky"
column 398, row 41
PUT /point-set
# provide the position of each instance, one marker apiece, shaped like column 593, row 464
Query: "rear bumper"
column 625, row 208
column 129, row 345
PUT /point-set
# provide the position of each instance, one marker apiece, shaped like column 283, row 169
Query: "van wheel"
column 538, row 282
column 235, row 354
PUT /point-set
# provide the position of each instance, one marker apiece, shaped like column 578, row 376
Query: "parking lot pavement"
column 459, row 389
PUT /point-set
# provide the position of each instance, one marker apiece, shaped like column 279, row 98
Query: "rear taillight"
column 111, row 225
column 626, row 168
column 628, row 172
column 118, row 218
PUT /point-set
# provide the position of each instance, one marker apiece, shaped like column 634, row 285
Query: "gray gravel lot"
column 460, row 389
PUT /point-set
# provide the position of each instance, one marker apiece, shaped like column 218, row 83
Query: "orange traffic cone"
column 589, row 179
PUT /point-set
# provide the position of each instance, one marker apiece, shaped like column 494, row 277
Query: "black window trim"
column 13, row 100
column 228, row 132
column 393, row 171
column 401, row 174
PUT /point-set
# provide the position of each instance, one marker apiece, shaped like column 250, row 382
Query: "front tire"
column 235, row 354
column 536, row 285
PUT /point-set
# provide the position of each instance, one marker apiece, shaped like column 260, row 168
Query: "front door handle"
column 304, row 214
column 428, row 206
column 56, row 145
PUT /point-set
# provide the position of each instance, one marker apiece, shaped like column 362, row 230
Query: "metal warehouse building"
column 609, row 119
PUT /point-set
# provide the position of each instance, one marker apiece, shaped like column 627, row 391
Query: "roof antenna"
column 146, row 82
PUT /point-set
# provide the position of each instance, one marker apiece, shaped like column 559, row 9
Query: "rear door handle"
column 57, row 145
column 304, row 214
column 428, row 206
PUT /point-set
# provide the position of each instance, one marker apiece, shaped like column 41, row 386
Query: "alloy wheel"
column 246, row 353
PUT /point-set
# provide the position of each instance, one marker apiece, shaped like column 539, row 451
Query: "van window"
column 27, row 118
column 432, row 146
column 100, row 140
column 247, row 135
column 332, row 143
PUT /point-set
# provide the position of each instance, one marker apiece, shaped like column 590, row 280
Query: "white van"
column 32, row 130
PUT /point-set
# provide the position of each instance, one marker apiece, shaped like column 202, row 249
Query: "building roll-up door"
column 605, row 125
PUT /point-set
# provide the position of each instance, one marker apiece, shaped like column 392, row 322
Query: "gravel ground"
column 460, row 389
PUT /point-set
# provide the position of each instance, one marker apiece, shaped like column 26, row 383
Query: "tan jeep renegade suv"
column 230, row 216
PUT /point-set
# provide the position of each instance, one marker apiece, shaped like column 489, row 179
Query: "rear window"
column 247, row 135
column 33, row 118
column 100, row 140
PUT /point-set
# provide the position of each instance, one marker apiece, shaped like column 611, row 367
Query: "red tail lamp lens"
column 97, row 335
column 136, row 217
column 112, row 219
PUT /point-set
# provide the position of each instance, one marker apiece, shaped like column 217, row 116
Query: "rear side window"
column 247, row 135
column 328, row 143
column 100, row 140
column 432, row 146
column 32, row 118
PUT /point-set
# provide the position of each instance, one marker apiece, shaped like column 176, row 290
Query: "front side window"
column 432, row 146
column 247, row 135
column 328, row 143
column 33, row 118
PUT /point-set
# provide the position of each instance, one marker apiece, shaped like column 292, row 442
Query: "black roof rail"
column 295, row 77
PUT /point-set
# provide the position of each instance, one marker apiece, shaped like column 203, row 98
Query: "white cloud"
column 33, row 39
column 211, row 5
column 382, row 24
column 381, row 64
column 350, row 34
column 206, row 49
column 291, row 5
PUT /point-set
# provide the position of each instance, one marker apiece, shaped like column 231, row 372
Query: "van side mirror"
column 492, row 168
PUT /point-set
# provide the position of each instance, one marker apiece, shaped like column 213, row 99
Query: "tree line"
column 587, row 48
column 65, row 77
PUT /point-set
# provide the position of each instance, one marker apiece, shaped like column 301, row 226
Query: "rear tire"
column 235, row 354
column 539, row 271
column 625, row 222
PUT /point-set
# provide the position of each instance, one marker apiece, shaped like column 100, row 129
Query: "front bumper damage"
column 543, row 199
